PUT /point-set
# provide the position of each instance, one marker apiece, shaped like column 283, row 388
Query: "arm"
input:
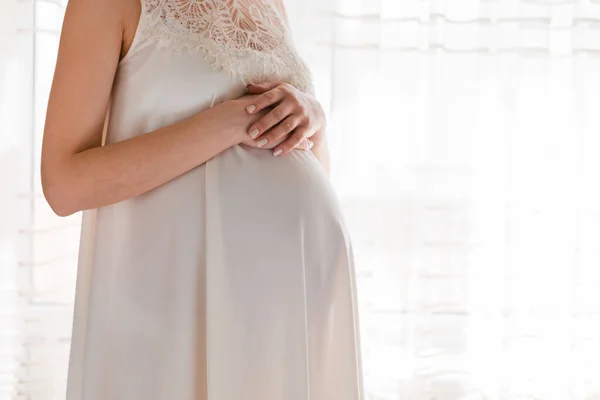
column 76, row 172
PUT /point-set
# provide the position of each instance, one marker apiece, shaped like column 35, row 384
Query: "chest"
column 248, row 40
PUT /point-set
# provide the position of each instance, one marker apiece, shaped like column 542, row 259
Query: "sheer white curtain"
column 465, row 137
column 466, row 142
column 37, row 249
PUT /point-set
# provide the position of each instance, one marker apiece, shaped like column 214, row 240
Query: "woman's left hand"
column 294, row 112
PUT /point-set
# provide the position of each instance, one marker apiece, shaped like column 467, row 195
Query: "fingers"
column 279, row 131
column 273, row 118
column 305, row 144
column 269, row 98
column 286, row 119
column 260, row 88
column 301, row 133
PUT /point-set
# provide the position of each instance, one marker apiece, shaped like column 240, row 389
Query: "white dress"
column 234, row 281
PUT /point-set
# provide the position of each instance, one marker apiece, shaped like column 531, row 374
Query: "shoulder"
column 112, row 9
column 107, row 13
column 116, row 19
column 99, row 26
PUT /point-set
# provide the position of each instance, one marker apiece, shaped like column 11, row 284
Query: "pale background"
column 465, row 140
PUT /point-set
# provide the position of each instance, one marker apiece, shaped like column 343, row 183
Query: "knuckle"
column 289, row 109
column 288, row 126
column 273, row 135
column 278, row 114
column 284, row 136
column 275, row 117
column 299, row 133
column 269, row 96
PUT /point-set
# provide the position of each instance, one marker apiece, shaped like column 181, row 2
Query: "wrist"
column 209, row 124
column 237, row 136
column 319, row 138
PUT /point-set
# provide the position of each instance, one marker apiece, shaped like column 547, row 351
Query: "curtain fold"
column 38, row 250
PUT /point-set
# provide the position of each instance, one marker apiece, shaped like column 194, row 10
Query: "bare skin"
column 293, row 117
column 77, row 172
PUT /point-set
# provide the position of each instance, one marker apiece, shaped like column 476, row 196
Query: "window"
column 38, row 251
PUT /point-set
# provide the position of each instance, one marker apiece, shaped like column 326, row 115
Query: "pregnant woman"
column 214, row 261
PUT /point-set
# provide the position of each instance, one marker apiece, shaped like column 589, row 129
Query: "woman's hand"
column 292, row 113
column 305, row 144
column 230, row 120
column 248, row 100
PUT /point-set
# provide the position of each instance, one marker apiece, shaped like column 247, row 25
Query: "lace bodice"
column 248, row 39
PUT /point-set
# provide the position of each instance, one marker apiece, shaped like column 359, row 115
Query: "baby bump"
column 253, row 186
column 272, row 219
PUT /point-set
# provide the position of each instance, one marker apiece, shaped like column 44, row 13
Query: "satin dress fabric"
column 233, row 281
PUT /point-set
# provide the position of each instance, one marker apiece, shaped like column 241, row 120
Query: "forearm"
column 105, row 175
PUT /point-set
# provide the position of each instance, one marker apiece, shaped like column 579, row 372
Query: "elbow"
column 58, row 196
column 61, row 211
column 59, row 203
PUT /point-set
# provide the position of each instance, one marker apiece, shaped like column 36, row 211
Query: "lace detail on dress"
column 248, row 39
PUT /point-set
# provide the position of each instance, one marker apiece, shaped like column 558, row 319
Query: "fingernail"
column 277, row 152
column 251, row 108
column 310, row 143
column 254, row 133
column 261, row 142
